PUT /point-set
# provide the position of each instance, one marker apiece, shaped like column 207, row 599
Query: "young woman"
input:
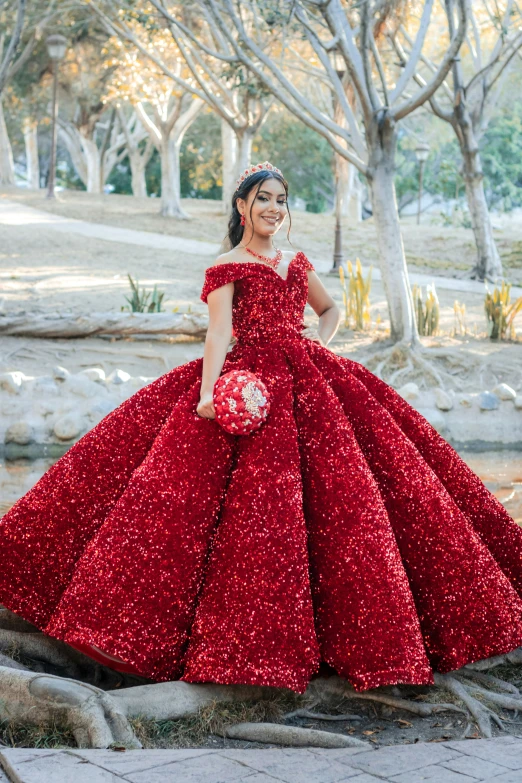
column 345, row 529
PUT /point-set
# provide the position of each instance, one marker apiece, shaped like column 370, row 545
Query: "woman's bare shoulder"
column 227, row 258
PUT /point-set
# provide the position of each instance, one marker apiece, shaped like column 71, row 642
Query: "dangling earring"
column 243, row 220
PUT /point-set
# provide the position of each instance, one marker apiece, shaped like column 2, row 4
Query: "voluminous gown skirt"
column 344, row 530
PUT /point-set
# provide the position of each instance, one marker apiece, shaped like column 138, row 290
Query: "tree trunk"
column 31, row 153
column 230, row 172
column 245, row 139
column 170, row 184
column 394, row 272
column 348, row 191
column 92, row 159
column 488, row 265
column 6, row 154
column 137, row 165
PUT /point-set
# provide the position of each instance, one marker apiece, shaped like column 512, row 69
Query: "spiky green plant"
column 427, row 314
column 501, row 312
column 459, row 312
column 139, row 301
column 356, row 291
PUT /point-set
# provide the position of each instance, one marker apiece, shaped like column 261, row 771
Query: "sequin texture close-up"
column 345, row 529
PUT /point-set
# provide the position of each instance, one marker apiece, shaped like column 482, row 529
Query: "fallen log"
column 26, row 324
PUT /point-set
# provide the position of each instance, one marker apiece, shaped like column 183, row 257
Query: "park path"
column 14, row 214
column 498, row 759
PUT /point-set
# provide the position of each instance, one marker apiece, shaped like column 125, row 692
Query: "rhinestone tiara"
column 258, row 167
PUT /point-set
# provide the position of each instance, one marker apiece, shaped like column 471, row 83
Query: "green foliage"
column 441, row 171
column 501, row 156
column 501, row 151
column 139, row 299
column 200, row 163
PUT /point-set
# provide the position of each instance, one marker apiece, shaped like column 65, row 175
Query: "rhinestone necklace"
column 273, row 262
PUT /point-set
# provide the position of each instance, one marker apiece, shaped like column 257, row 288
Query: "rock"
column 434, row 416
column 466, row 401
column 94, row 374
column 488, row 401
column 60, row 373
column 518, row 401
column 45, row 384
column 504, row 391
column 82, row 386
column 19, row 432
column 102, row 408
column 443, row 401
column 12, row 381
column 409, row 392
column 43, row 407
column 68, row 426
column 118, row 376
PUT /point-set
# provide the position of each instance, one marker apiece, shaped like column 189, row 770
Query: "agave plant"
column 356, row 293
column 459, row 311
column 501, row 312
column 139, row 301
column 427, row 314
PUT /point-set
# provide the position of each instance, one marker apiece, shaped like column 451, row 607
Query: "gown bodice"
column 265, row 306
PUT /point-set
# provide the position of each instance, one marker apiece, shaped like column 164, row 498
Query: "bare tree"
column 466, row 101
column 13, row 56
column 166, row 127
column 242, row 102
column 95, row 146
column 135, row 133
column 354, row 32
column 8, row 55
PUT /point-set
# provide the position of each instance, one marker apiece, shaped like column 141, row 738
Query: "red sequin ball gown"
column 344, row 530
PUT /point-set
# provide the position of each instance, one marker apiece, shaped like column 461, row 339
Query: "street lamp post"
column 338, row 64
column 56, row 46
column 422, row 152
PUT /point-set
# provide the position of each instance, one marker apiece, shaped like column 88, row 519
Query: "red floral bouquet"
column 241, row 401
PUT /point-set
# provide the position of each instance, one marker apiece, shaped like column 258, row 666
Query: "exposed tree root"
column 446, row 367
column 322, row 689
column 98, row 716
column 92, row 715
column 489, row 679
column 292, row 736
column 482, row 714
column 319, row 715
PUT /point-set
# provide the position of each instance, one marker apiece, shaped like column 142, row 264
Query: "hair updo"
column 235, row 229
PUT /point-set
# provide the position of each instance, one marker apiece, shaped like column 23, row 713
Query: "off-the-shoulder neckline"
column 259, row 263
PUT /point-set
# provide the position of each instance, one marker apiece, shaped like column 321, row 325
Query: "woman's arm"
column 329, row 314
column 218, row 337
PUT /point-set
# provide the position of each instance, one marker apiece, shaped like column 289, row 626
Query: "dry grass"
column 194, row 730
column 15, row 734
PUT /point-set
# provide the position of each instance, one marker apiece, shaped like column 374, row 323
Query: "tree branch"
column 447, row 61
column 13, row 44
column 415, row 53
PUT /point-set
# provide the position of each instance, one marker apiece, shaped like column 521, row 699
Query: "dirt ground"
column 43, row 270
column 430, row 247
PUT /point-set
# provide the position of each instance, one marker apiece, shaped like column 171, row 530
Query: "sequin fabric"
column 344, row 530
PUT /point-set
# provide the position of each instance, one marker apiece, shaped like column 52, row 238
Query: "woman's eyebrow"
column 267, row 191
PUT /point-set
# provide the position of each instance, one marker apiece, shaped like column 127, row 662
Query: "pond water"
column 501, row 472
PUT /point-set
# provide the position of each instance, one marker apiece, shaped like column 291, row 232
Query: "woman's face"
column 269, row 209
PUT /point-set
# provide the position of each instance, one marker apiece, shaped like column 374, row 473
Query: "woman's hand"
column 311, row 333
column 205, row 407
